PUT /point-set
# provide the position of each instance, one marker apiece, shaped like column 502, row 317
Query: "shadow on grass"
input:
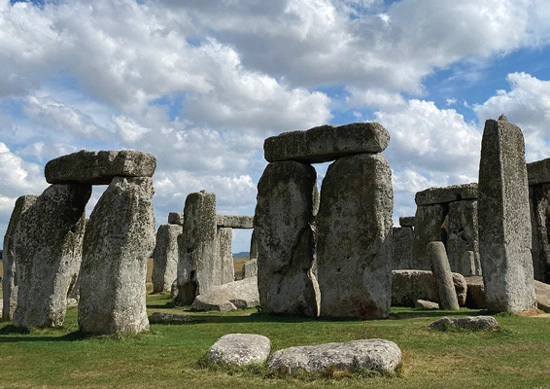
column 413, row 313
column 27, row 335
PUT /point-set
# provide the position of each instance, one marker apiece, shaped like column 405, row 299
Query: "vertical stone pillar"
column 354, row 226
column 197, row 265
column 504, row 220
column 9, row 279
column 120, row 237
column 48, row 253
column 442, row 275
column 286, row 239
column 428, row 220
column 224, row 236
column 401, row 247
column 463, row 235
column 165, row 257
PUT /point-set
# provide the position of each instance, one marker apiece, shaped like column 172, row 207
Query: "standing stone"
column 224, row 258
column 286, row 239
column 120, row 236
column 165, row 257
column 463, row 235
column 197, row 267
column 354, row 228
column 176, row 218
column 442, row 275
column 9, row 279
column 48, row 253
column 540, row 220
column 429, row 227
column 504, row 219
column 401, row 247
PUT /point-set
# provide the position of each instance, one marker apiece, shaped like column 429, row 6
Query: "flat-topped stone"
column 235, row 221
column 240, row 349
column 406, row 221
column 446, row 194
column 99, row 167
column 538, row 172
column 327, row 143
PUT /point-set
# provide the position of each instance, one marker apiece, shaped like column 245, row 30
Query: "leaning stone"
column 48, row 253
column 354, row 227
column 429, row 227
column 99, row 167
column 286, row 239
column 237, row 294
column 326, row 143
column 425, row 304
column 504, row 219
column 169, row 318
column 378, row 355
column 539, row 172
column 411, row 285
column 9, row 284
column 406, row 221
column 240, row 349
column 165, row 257
column 250, row 268
column 442, row 274
column 446, row 194
column 234, row 221
column 120, row 237
column 472, row 323
column 176, row 218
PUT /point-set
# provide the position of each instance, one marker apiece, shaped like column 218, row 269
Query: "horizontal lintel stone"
column 176, row 218
column 406, row 221
column 539, row 172
column 446, row 194
column 234, row 221
column 326, row 143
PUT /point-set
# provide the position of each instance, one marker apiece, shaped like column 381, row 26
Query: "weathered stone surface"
column 99, row 167
column 240, row 349
column 197, row 266
column 429, row 227
column 165, row 257
column 254, row 245
column 223, row 262
column 425, row 304
column 406, row 221
column 539, row 196
column 286, row 239
column 176, row 218
column 411, row 285
column 504, row 219
column 234, row 295
column 401, row 247
column 169, row 318
column 234, row 221
column 472, row 323
column 539, row 172
column 378, row 355
column 250, row 268
column 542, row 291
column 442, row 275
column 446, row 194
column 9, row 281
column 120, row 237
column 326, row 143
column 48, row 252
column 462, row 236
column 354, row 226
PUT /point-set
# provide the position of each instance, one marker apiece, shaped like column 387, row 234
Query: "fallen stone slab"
column 472, row 323
column 228, row 297
column 169, row 318
column 378, row 355
column 235, row 221
column 411, row 285
column 326, row 143
column 240, row 349
column 446, row 194
column 99, row 167
column 425, row 304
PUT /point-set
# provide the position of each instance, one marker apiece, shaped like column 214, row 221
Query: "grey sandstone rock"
column 472, row 323
column 425, row 304
column 235, row 221
column 120, row 236
column 165, row 257
column 237, row 294
column 504, row 219
column 354, row 228
column 176, row 218
column 223, row 262
column 240, row 349
column 48, row 252
column 442, row 274
column 539, row 196
column 401, row 247
column 378, row 355
column 539, row 172
column 429, row 227
column 462, row 237
column 286, row 239
column 250, row 268
column 169, row 318
column 542, row 291
column 411, row 285
column 9, row 280
column 406, row 221
column 326, row 143
column 99, row 167
column 446, row 194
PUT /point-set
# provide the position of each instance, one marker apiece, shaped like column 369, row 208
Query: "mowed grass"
column 515, row 356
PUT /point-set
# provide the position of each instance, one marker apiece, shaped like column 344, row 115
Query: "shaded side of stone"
column 48, row 252
column 441, row 271
column 463, row 237
column 240, row 349
column 120, row 237
column 504, row 219
column 176, row 218
column 234, row 295
column 446, row 194
column 401, row 247
column 539, row 172
column 429, row 227
column 326, row 143
column 286, row 239
column 235, row 221
column 224, row 259
column 165, row 257
column 9, row 279
column 99, row 167
column 406, row 221
column 354, row 227
column 539, row 196
column 408, row 286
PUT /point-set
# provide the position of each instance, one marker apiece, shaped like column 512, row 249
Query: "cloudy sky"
column 200, row 84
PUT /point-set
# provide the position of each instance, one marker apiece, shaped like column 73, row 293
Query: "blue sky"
column 201, row 84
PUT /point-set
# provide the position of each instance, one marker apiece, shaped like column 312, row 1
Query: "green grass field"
column 516, row 356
